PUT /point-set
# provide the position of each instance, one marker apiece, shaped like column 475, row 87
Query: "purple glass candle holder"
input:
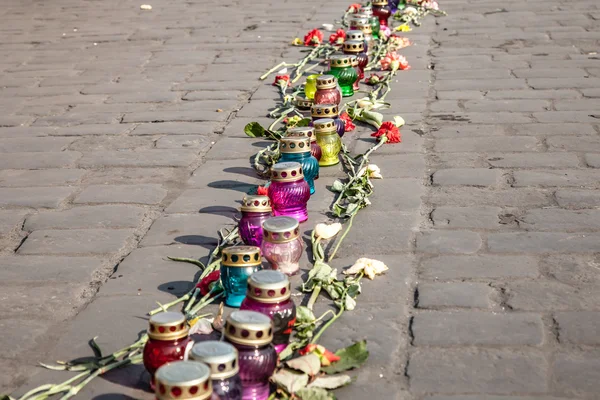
column 255, row 210
column 328, row 90
column 183, row 380
column 222, row 359
column 288, row 191
column 282, row 244
column 269, row 293
column 320, row 111
column 251, row 334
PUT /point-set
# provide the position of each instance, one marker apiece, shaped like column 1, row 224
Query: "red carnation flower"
column 390, row 130
column 313, row 38
column 207, row 283
column 262, row 191
column 349, row 125
column 338, row 37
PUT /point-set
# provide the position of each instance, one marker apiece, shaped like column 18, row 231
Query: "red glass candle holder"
column 222, row 359
column 282, row 245
column 251, row 334
column 183, row 380
column 168, row 341
column 381, row 10
column 288, row 191
column 269, row 293
column 255, row 210
column 328, row 91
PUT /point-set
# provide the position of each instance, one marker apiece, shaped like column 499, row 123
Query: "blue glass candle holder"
column 298, row 149
column 237, row 264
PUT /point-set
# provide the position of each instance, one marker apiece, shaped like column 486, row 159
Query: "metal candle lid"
column 189, row 380
column 324, row 125
column 167, row 326
column 366, row 10
column 355, row 34
column 256, row 203
column 302, row 102
column 326, row 82
column 358, row 19
column 354, row 46
column 366, row 29
column 294, row 145
column 380, row 2
column 304, row 131
column 249, row 328
column 221, row 358
column 281, row 229
column 241, row 256
column 286, row 172
column 324, row 111
column 269, row 286
column 340, row 61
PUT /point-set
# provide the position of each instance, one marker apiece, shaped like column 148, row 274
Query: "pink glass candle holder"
column 288, row 191
column 222, row 359
column 328, row 91
column 251, row 333
column 282, row 245
column 269, row 293
column 183, row 380
column 255, row 210
column 168, row 341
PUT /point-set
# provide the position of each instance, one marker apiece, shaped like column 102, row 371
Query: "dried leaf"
column 351, row 357
column 315, row 394
column 309, row 364
column 290, row 381
column 330, row 382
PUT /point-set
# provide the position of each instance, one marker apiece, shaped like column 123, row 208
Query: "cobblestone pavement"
column 114, row 156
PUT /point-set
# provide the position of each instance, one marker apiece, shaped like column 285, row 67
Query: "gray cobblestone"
column 75, row 241
column 533, row 160
column 106, row 216
column 466, row 217
column 448, row 242
column 579, row 327
column 464, row 176
column 487, row 144
column 578, row 198
column 50, row 197
column 447, row 267
column 440, row 295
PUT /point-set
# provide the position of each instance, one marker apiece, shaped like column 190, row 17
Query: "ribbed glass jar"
column 309, row 132
column 269, row 293
column 237, row 264
column 251, row 334
column 297, row 149
column 381, row 10
column 288, row 191
column 282, row 245
column 222, row 359
column 310, row 87
column 328, row 90
column 357, row 34
column 168, row 339
column 255, row 210
column 320, row 111
column 341, row 67
column 367, row 31
column 356, row 48
column 329, row 141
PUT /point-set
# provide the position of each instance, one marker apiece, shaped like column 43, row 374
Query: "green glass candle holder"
column 341, row 67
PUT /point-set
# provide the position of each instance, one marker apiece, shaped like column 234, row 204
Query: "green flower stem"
column 206, row 300
column 275, row 68
column 316, row 338
column 348, row 227
column 165, row 307
column 188, row 260
column 313, row 297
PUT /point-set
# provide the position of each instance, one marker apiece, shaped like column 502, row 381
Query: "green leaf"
column 315, row 394
column 351, row 357
column 303, row 122
column 330, row 382
column 254, row 129
column 309, row 364
column 304, row 315
column 290, row 381
column 338, row 210
column 337, row 186
column 352, row 207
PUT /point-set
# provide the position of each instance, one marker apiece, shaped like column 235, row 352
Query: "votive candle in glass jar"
column 269, row 293
column 168, row 341
column 288, row 191
column 329, row 140
column 341, row 67
column 251, row 334
column 356, row 34
column 367, row 31
column 309, row 132
column 282, row 245
column 255, row 210
column 310, row 87
column 320, row 111
column 357, row 48
column 303, row 104
column 357, row 19
column 373, row 20
column 222, row 359
column 328, row 91
column 237, row 264
column 188, row 380
column 298, row 149
column 381, row 10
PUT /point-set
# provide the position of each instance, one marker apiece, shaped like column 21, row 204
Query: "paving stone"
column 533, row 94
column 455, row 131
column 566, row 143
column 130, row 175
column 578, row 327
column 556, row 219
column 10, row 219
column 466, row 176
column 198, row 229
column 466, row 217
column 118, row 143
column 476, row 328
column 28, row 145
column 542, row 295
column 440, row 295
column 472, row 196
column 140, row 158
column 565, row 128
column 138, row 194
column 232, row 148
column 496, row 144
column 533, row 160
column 48, row 177
column 548, row 178
column 200, row 142
column 104, row 216
column 576, row 271
column 92, row 129
column 478, row 371
column 578, row 372
column 542, row 242
column 448, row 242
column 50, row 197
column 578, row 198
column 48, row 268
column 39, row 160
column 447, row 267
column 76, row 241
column 593, row 160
